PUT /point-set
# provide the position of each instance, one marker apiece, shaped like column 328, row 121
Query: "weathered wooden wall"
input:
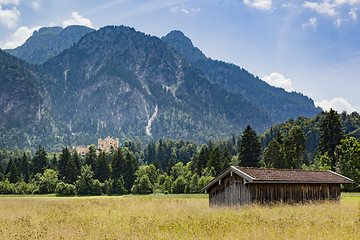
column 231, row 190
column 293, row 192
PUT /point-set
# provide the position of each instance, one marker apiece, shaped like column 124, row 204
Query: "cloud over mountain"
column 339, row 104
column 279, row 80
column 77, row 19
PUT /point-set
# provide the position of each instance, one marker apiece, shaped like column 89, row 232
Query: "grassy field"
column 173, row 217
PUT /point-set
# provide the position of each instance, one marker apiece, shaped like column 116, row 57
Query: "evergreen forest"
column 327, row 142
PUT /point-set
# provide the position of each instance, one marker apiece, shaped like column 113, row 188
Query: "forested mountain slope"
column 281, row 105
column 21, row 103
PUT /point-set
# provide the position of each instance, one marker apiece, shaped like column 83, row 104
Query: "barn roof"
column 269, row 175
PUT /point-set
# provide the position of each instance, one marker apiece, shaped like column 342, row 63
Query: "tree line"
column 169, row 166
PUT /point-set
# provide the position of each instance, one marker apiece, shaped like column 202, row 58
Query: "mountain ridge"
column 281, row 105
column 48, row 42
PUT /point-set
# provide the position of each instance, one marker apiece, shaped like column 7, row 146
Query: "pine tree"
column 215, row 160
column 63, row 163
column 170, row 164
column 330, row 135
column 204, row 156
column 76, row 158
column 39, row 162
column 24, row 168
column 226, row 159
column 294, row 146
column 273, row 155
column 103, row 168
column 91, row 159
column 8, row 167
column 160, row 155
column 150, row 152
column 14, row 174
column 85, row 182
column 117, row 164
column 72, row 172
column 249, row 149
column 129, row 173
column 53, row 162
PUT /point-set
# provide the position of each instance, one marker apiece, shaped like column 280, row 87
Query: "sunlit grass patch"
column 173, row 217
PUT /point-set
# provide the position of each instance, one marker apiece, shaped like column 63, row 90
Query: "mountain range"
column 48, row 42
column 83, row 84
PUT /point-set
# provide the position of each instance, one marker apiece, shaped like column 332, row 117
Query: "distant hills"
column 48, row 42
column 122, row 83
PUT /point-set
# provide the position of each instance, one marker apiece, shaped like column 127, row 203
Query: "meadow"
column 173, row 217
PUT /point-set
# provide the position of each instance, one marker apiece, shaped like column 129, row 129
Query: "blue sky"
column 310, row 46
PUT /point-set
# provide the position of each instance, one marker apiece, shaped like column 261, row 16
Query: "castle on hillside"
column 103, row 145
column 81, row 150
column 108, row 143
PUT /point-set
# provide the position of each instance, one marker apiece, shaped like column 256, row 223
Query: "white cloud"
column 311, row 23
column 259, row 4
column 77, row 19
column 18, row 37
column 184, row 10
column 36, row 4
column 339, row 104
column 279, row 80
column 326, row 7
column 192, row 10
column 333, row 7
column 9, row 2
column 9, row 17
column 353, row 13
column 350, row 2
column 338, row 22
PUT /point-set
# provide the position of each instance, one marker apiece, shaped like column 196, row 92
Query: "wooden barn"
column 241, row 185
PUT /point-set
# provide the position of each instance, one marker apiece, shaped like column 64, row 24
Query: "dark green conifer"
column 226, row 159
column 91, row 159
column 63, row 163
column 24, row 168
column 39, row 162
column 330, row 136
column 250, row 149
column 215, row 160
column 14, row 174
column 103, row 172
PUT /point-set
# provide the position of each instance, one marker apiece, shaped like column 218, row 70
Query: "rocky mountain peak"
column 48, row 42
column 184, row 46
column 47, row 30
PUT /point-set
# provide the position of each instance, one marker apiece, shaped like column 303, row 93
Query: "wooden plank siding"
column 230, row 191
column 293, row 192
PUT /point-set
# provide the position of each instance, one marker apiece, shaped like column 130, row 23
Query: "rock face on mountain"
column 48, row 42
column 281, row 105
column 20, row 101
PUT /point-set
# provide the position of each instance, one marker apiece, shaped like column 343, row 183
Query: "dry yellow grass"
column 173, row 217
